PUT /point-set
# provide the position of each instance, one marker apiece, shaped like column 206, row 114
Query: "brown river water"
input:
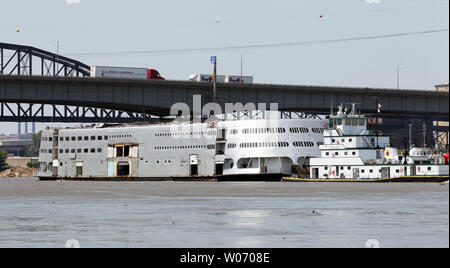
column 221, row 215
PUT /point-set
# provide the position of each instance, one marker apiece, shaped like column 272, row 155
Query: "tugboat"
column 351, row 153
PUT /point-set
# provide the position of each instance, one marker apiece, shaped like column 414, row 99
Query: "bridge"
column 157, row 97
column 31, row 78
column 34, row 76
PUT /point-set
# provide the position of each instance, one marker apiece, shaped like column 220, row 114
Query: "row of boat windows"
column 303, row 144
column 348, row 122
column 87, row 138
column 275, row 130
column 272, row 144
column 183, row 147
column 264, row 144
column 337, row 153
column 342, row 140
column 73, row 151
column 263, row 130
column 362, row 170
column 181, row 134
column 371, row 170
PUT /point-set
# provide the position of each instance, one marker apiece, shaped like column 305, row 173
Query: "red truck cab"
column 154, row 74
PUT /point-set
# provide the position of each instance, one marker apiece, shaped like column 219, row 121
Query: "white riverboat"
column 351, row 152
column 252, row 149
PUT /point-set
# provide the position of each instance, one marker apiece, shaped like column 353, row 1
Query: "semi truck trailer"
column 125, row 72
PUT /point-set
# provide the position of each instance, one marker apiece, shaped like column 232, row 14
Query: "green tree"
column 33, row 164
column 3, row 156
column 33, row 151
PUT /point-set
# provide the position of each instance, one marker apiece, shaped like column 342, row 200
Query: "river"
column 207, row 214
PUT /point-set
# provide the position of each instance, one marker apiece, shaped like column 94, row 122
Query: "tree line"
column 33, row 151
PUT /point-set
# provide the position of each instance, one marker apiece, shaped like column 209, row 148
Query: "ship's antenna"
column 377, row 118
column 332, row 104
column 424, row 134
column 353, row 104
column 410, row 135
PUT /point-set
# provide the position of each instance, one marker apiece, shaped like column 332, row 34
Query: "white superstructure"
column 350, row 151
column 234, row 149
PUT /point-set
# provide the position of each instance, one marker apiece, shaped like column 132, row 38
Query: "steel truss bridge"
column 27, row 60
column 22, row 112
column 22, row 60
column 40, row 86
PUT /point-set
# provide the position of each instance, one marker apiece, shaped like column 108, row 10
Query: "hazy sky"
column 94, row 26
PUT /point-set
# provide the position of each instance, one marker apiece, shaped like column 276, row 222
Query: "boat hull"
column 409, row 179
column 236, row 178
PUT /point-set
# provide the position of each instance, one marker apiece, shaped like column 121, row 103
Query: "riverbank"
column 18, row 172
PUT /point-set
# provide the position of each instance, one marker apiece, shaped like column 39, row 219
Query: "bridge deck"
column 157, row 97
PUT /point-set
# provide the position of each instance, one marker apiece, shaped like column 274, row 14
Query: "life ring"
column 418, row 169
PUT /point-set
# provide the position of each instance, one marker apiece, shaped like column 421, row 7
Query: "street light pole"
column 57, row 58
column 215, row 82
column 242, row 55
column 214, row 61
column 398, row 75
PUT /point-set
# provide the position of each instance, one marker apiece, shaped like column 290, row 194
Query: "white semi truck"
column 125, row 72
